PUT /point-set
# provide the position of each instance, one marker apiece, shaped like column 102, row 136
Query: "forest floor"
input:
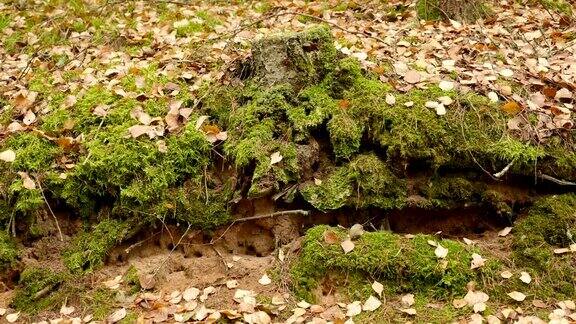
column 161, row 55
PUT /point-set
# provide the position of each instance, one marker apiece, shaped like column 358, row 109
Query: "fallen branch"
column 503, row 171
column 275, row 214
column 557, row 181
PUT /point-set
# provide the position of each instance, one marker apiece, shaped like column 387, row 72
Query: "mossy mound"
column 401, row 264
column 550, row 224
column 39, row 289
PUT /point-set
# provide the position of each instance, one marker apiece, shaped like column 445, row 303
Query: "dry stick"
column 171, row 251
column 275, row 214
column 50, row 209
column 503, row 172
column 557, row 181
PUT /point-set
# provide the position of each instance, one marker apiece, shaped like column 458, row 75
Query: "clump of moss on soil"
column 550, row 224
column 39, row 290
column 9, row 252
column 403, row 265
column 89, row 249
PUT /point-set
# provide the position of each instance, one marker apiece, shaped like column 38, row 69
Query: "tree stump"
column 297, row 59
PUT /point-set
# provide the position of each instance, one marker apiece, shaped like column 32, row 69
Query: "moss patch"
column 89, row 249
column 9, row 253
column 39, row 290
column 404, row 264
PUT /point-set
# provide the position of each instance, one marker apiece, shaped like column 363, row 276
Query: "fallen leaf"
column 468, row 241
column 525, row 277
column 561, row 250
column 264, row 280
column 371, row 304
column 459, row 303
column 231, row 284
column 275, row 158
column 493, row 96
column 477, row 261
column 505, row 231
column 563, row 94
column 8, row 156
column 190, row 293
column 353, row 309
column 303, row 304
column 412, row 76
column 330, row 237
column 29, row 118
column 445, row 100
column 117, row 315
column 378, row 288
column 390, row 99
column 479, row 307
column 113, row 283
column 66, row 310
column 409, row 311
column 446, row 85
column 441, row 252
column 506, row 274
column 347, row 245
column 517, row 296
column 407, row 300
column 27, row 182
column 506, row 73
column 11, row 318
column 511, row 108
column 475, row 297
column 539, row 304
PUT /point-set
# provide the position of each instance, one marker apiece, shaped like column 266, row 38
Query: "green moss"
column 431, row 10
column 90, row 248
column 9, row 253
column 33, row 153
column 131, row 279
column 560, row 6
column 405, row 265
column 38, row 290
column 345, row 135
column 99, row 302
column 365, row 182
column 550, row 222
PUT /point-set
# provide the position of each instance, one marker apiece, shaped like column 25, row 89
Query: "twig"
column 171, row 251
column 557, row 181
column 503, row 172
column 275, row 214
column 50, row 209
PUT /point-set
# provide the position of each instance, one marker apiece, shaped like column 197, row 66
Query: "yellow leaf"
column 511, row 108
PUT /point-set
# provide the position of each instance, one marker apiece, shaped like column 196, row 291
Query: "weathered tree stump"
column 297, row 59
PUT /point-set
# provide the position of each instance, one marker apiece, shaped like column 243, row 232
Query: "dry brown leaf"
column 459, row 303
column 378, row 288
column 441, row 252
column 330, row 237
column 412, row 77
